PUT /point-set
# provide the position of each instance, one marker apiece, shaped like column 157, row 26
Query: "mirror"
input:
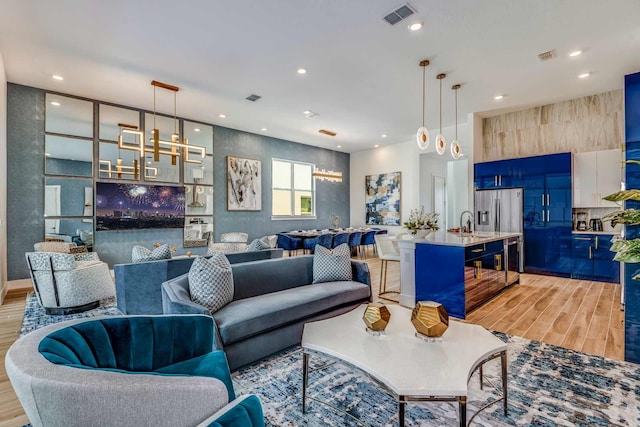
column 79, row 231
column 166, row 171
column 198, row 200
column 68, row 197
column 199, row 174
column 108, row 165
column 111, row 116
column 198, row 231
column 68, row 156
column 68, row 116
column 199, row 134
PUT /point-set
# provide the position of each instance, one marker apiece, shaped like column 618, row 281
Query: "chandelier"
column 456, row 150
column 422, row 135
column 441, row 143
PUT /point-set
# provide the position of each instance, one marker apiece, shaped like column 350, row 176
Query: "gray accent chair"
column 272, row 301
column 69, row 283
column 138, row 285
column 127, row 371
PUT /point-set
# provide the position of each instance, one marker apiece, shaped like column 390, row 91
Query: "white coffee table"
column 410, row 369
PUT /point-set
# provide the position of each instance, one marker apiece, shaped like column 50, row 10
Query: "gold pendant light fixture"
column 441, row 143
column 456, row 150
column 423, row 134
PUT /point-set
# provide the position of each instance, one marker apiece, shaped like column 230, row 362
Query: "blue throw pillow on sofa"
column 211, row 282
column 332, row 265
column 142, row 254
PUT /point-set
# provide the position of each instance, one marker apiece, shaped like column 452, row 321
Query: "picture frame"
column 244, row 184
column 382, row 199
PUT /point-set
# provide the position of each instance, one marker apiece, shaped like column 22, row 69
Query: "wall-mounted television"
column 134, row 206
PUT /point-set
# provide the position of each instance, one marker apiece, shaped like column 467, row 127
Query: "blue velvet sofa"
column 272, row 301
column 138, row 285
column 128, row 371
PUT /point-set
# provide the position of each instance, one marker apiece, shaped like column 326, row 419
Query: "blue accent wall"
column 632, row 179
column 25, row 187
column 331, row 197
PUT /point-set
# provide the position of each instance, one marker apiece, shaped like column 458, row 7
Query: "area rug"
column 548, row 386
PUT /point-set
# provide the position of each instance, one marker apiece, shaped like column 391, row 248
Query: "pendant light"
column 441, row 144
column 456, row 151
column 423, row 134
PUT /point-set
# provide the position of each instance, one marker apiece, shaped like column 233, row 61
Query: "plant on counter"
column 420, row 219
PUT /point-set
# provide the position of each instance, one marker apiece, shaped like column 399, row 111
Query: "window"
column 292, row 189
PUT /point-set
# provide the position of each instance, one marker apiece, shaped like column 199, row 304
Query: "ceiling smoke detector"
column 253, row 97
column 327, row 132
column 399, row 14
column 545, row 56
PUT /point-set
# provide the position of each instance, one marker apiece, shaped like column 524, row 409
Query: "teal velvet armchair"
column 136, row 370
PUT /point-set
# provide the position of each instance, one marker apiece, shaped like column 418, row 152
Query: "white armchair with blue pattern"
column 69, row 283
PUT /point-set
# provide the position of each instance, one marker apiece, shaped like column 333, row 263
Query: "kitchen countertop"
column 609, row 233
column 453, row 239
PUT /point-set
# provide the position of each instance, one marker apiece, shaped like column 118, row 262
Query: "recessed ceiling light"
column 222, row 116
column 302, row 71
column 416, row 26
column 263, row 129
column 584, row 75
column 339, row 146
column 384, row 135
column 306, row 112
column 376, row 146
column 498, row 97
column 57, row 77
column 575, row 53
column 55, row 103
column 197, row 129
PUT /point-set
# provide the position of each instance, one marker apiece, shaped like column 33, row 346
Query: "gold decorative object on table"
column 189, row 253
column 430, row 320
column 376, row 317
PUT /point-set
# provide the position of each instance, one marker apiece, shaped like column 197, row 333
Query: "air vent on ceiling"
column 399, row 14
column 253, row 97
column 545, row 56
column 327, row 132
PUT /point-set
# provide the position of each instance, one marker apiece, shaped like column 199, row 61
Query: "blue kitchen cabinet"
column 547, row 214
column 593, row 259
column 498, row 174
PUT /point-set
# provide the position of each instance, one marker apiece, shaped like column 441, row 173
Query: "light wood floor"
column 576, row 314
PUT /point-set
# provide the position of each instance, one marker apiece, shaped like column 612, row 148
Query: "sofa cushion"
column 211, row 282
column 331, row 265
column 142, row 254
column 271, row 240
column 257, row 245
column 251, row 316
column 234, row 237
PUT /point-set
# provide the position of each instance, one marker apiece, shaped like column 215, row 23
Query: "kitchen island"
column 460, row 272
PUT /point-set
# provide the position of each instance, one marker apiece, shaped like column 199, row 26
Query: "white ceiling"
column 363, row 76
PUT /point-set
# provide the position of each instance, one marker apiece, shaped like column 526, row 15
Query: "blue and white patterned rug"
column 548, row 386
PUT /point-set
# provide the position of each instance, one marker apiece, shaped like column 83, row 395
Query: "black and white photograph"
column 244, row 184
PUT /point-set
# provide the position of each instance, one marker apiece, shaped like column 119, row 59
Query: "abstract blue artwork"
column 383, row 199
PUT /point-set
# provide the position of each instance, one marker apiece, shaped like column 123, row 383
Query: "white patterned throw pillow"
column 211, row 282
column 257, row 245
column 142, row 254
column 332, row 265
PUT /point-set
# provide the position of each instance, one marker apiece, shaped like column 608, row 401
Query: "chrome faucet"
column 472, row 220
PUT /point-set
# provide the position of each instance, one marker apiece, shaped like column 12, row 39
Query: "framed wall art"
column 383, row 199
column 244, row 184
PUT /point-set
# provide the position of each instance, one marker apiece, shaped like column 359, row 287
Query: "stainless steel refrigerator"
column 501, row 211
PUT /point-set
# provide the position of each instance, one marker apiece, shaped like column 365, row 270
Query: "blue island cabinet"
column 459, row 277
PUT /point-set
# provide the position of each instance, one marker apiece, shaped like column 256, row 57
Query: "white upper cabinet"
column 596, row 174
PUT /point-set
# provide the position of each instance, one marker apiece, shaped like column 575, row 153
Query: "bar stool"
column 387, row 251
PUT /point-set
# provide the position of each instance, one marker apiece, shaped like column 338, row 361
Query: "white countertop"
column 446, row 238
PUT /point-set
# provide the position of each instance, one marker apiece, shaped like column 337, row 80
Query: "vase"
column 421, row 233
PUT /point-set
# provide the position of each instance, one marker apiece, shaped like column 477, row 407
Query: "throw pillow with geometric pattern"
column 211, row 282
column 257, row 245
column 332, row 265
column 142, row 254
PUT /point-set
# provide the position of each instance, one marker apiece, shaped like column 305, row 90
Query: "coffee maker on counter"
column 581, row 223
column 595, row 224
